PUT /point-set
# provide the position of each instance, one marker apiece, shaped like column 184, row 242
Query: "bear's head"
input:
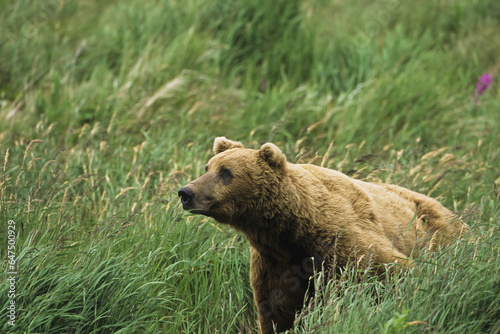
column 237, row 181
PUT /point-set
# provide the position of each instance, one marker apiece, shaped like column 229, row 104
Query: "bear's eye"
column 226, row 175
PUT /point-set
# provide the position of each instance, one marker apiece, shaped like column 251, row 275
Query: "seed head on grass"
column 263, row 82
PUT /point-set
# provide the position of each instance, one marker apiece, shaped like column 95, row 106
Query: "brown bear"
column 302, row 218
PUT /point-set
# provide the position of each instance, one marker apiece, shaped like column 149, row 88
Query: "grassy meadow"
column 108, row 107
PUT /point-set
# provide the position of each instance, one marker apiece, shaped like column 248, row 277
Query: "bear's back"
column 385, row 209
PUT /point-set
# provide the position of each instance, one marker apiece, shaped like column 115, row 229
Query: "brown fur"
column 300, row 218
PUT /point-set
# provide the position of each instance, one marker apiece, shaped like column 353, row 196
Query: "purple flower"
column 483, row 83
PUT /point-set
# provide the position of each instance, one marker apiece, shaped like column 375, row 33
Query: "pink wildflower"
column 483, row 83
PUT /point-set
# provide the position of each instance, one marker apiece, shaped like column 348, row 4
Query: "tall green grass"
column 107, row 108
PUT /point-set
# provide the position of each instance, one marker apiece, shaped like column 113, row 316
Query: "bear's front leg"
column 279, row 291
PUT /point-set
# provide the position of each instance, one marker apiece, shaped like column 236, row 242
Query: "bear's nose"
column 186, row 196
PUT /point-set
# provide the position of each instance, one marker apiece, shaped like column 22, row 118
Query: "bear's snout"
column 186, row 196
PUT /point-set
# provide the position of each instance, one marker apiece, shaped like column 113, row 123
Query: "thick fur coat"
column 300, row 218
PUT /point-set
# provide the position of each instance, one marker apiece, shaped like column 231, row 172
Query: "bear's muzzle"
column 187, row 196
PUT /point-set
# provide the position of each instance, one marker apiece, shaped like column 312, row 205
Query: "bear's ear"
column 271, row 154
column 222, row 144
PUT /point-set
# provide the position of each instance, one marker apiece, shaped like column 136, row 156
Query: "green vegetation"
column 107, row 108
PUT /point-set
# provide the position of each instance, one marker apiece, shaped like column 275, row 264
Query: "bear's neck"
column 282, row 238
column 283, row 231
column 283, row 246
